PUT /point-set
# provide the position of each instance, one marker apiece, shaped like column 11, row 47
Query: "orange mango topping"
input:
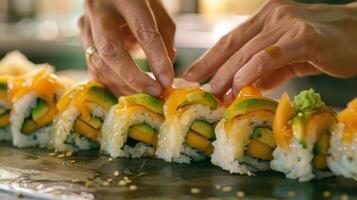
column 176, row 99
column 281, row 128
column 77, row 96
column 41, row 81
column 349, row 118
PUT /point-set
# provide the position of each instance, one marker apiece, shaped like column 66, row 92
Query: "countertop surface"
column 39, row 174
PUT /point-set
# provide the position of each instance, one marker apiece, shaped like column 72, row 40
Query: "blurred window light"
column 48, row 30
column 222, row 27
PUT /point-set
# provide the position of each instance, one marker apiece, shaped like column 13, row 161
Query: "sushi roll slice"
column 188, row 130
column 82, row 112
column 302, row 133
column 33, row 99
column 132, row 126
column 245, row 139
column 343, row 151
column 5, row 108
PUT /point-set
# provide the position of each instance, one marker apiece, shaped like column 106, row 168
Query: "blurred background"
column 46, row 32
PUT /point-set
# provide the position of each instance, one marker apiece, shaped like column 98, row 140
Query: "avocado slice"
column 323, row 144
column 298, row 126
column 143, row 133
column 264, row 135
column 28, row 126
column 3, row 110
column 39, row 110
column 204, row 128
column 95, row 122
column 101, row 96
column 250, row 105
column 146, row 100
column 3, row 90
column 201, row 97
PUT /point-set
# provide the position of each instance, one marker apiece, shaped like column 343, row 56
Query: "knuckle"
column 283, row 11
column 227, row 41
column 259, row 61
column 107, row 48
column 308, row 37
column 146, row 34
column 89, row 4
column 81, row 21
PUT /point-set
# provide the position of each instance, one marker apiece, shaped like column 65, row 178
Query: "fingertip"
column 165, row 80
column 153, row 90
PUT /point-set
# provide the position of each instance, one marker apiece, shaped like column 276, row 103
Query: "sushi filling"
column 200, row 137
column 5, row 132
column 39, row 116
column 261, row 143
column 142, row 133
column 84, row 133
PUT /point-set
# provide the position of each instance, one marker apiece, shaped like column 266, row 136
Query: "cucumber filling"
column 320, row 151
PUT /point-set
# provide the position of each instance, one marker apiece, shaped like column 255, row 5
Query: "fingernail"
column 152, row 90
column 164, row 80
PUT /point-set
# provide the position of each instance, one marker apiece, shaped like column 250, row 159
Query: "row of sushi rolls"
column 301, row 137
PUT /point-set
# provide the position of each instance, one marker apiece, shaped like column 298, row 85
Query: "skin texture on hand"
column 282, row 40
column 114, row 27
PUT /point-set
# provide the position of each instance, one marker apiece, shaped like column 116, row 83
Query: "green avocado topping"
column 308, row 100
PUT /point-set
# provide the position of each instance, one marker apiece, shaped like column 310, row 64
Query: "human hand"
column 283, row 39
column 112, row 27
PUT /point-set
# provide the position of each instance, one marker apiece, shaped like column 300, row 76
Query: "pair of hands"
column 281, row 40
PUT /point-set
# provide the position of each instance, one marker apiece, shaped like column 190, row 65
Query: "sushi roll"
column 33, row 99
column 188, row 130
column 302, row 133
column 82, row 112
column 245, row 139
column 343, row 151
column 132, row 126
column 5, row 108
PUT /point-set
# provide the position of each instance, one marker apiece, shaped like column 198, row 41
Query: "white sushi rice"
column 295, row 162
column 63, row 139
column 173, row 132
column 62, row 127
column 20, row 111
column 224, row 155
column 5, row 133
column 343, row 156
column 115, row 129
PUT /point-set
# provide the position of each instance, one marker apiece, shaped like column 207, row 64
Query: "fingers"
column 284, row 73
column 166, row 27
column 141, row 21
column 214, row 58
column 97, row 69
column 111, row 50
column 223, row 79
column 289, row 49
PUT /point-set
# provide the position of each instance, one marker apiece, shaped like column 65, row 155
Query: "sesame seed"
column 75, row 180
column 88, row 184
column 291, row 194
column 240, row 194
column 116, row 173
column 326, row 194
column 60, row 155
column 195, row 190
column 133, row 187
column 122, row 183
column 72, row 161
column 217, row 187
column 105, row 183
column 226, row 188
column 110, row 159
column 344, row 197
column 52, row 154
column 109, row 180
column 69, row 153
column 125, row 178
